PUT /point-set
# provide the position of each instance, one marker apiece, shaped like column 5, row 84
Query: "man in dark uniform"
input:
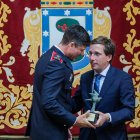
column 51, row 115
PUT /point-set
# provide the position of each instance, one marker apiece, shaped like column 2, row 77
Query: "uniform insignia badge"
column 55, row 56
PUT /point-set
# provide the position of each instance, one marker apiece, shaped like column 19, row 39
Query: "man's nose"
column 92, row 57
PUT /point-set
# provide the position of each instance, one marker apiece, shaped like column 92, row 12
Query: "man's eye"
column 97, row 54
column 89, row 53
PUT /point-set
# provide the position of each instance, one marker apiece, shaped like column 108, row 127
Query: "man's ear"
column 109, row 58
column 72, row 44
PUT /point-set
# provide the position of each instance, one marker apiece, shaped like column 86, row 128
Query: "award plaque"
column 92, row 116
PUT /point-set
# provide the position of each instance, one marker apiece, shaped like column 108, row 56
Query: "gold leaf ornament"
column 131, row 11
column 6, row 68
column 4, row 46
column 4, row 10
column 15, row 102
column 32, row 39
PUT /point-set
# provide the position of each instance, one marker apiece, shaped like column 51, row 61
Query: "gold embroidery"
column 131, row 11
column 4, row 46
column 132, row 43
column 15, row 102
column 133, row 66
column 6, row 68
column 102, row 22
column 131, row 46
column 32, row 40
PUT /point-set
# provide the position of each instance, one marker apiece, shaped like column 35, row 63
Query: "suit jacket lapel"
column 107, row 82
column 106, row 85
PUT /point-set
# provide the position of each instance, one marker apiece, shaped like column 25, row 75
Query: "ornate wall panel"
column 22, row 38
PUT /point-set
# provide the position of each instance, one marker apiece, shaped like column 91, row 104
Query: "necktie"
column 97, row 82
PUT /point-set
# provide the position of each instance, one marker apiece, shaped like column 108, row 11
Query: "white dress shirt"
column 103, row 73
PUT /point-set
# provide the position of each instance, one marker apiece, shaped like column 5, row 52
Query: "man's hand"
column 70, row 135
column 81, row 121
column 103, row 117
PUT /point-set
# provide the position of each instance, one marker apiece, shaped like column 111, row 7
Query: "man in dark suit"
column 51, row 115
column 116, row 90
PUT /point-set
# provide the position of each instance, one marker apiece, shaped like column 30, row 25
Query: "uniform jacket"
column 117, row 95
column 51, row 115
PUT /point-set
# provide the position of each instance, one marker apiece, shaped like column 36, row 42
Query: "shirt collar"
column 104, row 72
column 59, row 49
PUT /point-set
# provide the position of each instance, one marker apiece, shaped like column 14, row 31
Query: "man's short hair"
column 76, row 34
column 109, row 44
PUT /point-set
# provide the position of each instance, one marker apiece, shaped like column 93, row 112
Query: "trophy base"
column 92, row 117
